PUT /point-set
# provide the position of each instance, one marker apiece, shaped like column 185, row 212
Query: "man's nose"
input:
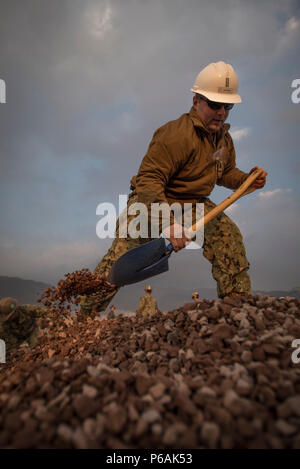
column 222, row 110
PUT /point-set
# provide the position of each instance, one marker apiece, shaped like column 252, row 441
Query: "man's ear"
column 195, row 100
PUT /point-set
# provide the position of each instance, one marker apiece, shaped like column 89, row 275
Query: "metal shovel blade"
column 140, row 263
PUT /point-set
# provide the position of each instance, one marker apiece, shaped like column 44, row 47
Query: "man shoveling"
column 186, row 158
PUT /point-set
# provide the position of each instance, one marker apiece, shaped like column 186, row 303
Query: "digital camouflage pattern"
column 22, row 325
column 223, row 247
column 88, row 306
column 147, row 306
column 111, row 314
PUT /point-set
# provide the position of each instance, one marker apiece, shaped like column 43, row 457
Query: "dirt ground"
column 217, row 374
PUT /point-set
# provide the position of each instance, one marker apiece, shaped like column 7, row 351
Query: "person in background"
column 147, row 304
column 195, row 297
column 111, row 314
column 20, row 324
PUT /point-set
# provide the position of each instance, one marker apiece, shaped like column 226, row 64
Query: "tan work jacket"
column 183, row 164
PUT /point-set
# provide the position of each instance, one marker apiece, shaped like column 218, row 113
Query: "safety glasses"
column 216, row 106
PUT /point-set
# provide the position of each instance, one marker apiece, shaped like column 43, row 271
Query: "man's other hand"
column 260, row 181
column 175, row 234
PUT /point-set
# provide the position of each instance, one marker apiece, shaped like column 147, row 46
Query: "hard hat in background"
column 7, row 306
column 218, row 82
column 195, row 294
column 148, row 288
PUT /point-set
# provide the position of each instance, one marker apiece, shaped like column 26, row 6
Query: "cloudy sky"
column 87, row 84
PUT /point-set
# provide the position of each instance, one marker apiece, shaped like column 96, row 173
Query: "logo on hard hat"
column 225, row 90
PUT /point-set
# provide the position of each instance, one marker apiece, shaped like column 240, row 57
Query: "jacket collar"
column 199, row 123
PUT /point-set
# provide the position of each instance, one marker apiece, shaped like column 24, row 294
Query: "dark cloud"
column 87, row 85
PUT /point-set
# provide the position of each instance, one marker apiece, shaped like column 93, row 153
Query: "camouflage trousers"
column 223, row 247
column 21, row 329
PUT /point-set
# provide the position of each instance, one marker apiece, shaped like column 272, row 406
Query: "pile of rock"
column 59, row 299
column 217, row 374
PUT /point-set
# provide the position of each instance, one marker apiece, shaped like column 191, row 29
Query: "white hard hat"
column 218, row 82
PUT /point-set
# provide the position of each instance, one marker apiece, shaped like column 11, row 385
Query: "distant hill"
column 25, row 291
column 170, row 298
column 28, row 291
column 294, row 293
column 167, row 298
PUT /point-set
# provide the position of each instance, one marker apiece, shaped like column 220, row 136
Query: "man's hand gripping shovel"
column 151, row 258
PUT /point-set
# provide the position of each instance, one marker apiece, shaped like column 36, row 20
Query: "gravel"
column 217, row 374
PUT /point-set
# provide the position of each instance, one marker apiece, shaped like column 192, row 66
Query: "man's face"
column 213, row 120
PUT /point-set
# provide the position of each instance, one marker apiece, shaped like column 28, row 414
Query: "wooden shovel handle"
column 240, row 192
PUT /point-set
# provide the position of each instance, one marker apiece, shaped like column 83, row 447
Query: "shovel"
column 151, row 258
